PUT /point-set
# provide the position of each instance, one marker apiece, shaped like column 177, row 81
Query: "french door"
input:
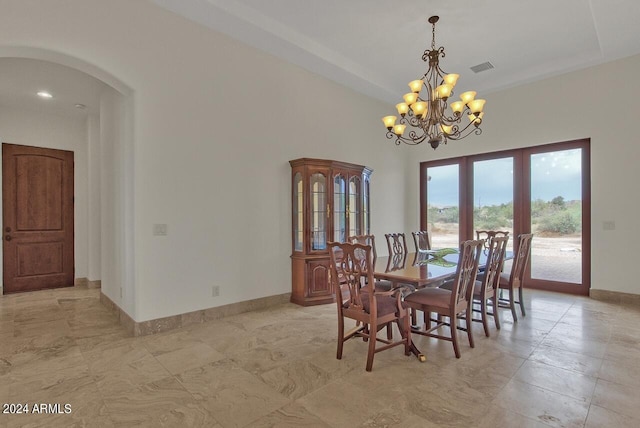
column 543, row 189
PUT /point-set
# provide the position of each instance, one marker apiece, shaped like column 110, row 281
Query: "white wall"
column 215, row 123
column 212, row 152
column 94, row 198
column 116, row 216
column 599, row 103
column 41, row 129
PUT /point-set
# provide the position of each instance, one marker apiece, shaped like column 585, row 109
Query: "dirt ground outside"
column 557, row 258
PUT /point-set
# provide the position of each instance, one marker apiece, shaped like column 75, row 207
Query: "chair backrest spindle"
column 422, row 240
column 488, row 235
column 396, row 243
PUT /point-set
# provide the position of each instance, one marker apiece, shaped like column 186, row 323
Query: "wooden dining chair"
column 365, row 240
column 488, row 235
column 399, row 262
column 515, row 280
column 351, row 274
column 381, row 284
column 454, row 303
column 421, row 240
column 396, row 243
column 486, row 290
column 370, row 240
column 397, row 246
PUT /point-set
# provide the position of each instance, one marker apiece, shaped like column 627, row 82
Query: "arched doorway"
column 105, row 192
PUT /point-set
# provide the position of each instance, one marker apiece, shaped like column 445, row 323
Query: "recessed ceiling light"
column 81, row 106
column 44, row 94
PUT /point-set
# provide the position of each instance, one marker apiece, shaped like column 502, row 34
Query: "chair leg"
column 365, row 330
column 512, row 305
column 414, row 316
column 427, row 319
column 389, row 331
column 521, row 298
column 483, row 313
column 405, row 329
column 468, row 322
column 372, row 348
column 496, row 317
column 454, row 334
column 340, row 337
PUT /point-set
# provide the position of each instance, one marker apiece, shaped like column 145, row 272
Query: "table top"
column 423, row 268
column 416, row 268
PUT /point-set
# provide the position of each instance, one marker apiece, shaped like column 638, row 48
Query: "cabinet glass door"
column 297, row 212
column 319, row 211
column 339, row 208
column 355, row 207
column 365, row 208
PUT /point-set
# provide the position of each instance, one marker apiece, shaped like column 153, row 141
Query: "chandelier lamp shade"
column 425, row 110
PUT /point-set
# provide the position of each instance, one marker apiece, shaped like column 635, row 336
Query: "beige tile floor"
column 572, row 362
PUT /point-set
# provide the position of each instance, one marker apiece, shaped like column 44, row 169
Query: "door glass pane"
column 355, row 209
column 493, row 196
column 556, row 216
column 297, row 212
column 318, row 212
column 443, row 210
column 339, row 208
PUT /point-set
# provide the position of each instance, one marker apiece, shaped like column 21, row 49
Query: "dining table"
column 427, row 268
column 420, row 269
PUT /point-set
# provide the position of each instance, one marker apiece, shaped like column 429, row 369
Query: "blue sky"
column 552, row 174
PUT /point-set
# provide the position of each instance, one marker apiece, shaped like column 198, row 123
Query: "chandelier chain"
column 433, row 36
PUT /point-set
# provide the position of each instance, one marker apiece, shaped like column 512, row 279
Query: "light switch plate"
column 160, row 230
column 608, row 225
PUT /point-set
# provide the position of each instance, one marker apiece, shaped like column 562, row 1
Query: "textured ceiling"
column 375, row 46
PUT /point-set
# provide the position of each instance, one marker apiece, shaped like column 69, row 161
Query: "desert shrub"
column 443, row 215
column 561, row 222
column 558, row 201
column 491, row 223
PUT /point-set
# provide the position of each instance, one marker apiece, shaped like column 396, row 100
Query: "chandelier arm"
column 450, row 120
column 466, row 131
column 415, row 138
column 412, row 120
column 391, row 135
column 413, row 142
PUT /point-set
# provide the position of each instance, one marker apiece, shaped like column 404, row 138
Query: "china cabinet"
column 330, row 202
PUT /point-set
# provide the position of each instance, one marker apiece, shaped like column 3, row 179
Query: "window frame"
column 521, row 202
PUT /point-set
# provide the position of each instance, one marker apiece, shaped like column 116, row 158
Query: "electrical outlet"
column 608, row 225
column 215, row 291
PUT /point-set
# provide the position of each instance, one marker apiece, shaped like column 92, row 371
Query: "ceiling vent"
column 482, row 67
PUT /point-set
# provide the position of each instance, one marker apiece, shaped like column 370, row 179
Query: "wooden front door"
column 37, row 208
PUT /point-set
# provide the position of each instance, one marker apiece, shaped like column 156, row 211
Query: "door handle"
column 7, row 238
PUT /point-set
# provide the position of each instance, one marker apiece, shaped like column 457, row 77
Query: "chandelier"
column 425, row 107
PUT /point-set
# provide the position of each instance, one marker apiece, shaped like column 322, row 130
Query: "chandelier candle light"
column 427, row 113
